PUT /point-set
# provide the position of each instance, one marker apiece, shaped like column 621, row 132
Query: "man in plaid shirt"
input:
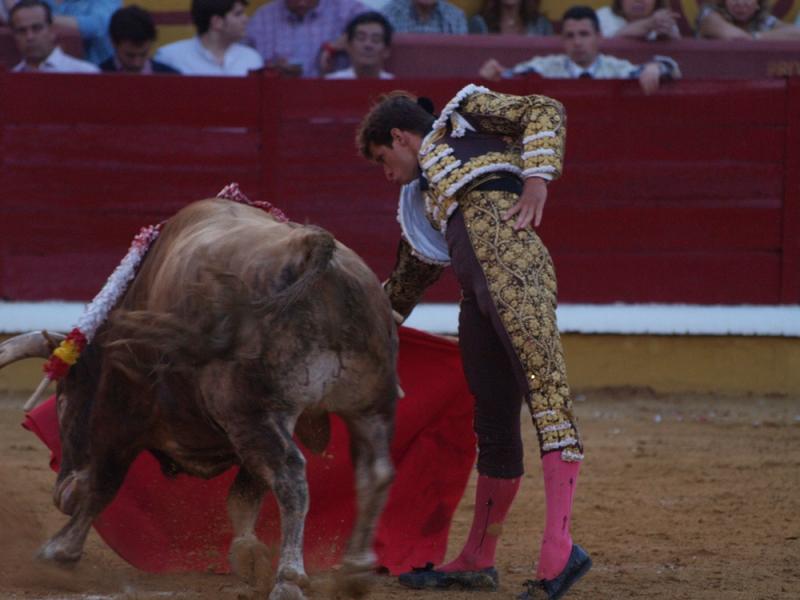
column 425, row 16
column 297, row 37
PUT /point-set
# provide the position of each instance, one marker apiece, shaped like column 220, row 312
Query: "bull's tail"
column 317, row 247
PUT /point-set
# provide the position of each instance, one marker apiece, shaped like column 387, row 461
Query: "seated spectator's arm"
column 328, row 51
column 492, row 70
column 782, row 31
column 713, row 26
column 650, row 78
column 662, row 21
column 636, row 29
column 651, row 73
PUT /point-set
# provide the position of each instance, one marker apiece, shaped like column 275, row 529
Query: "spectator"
column 302, row 37
column 425, row 16
column 133, row 34
column 369, row 41
column 215, row 50
column 32, row 25
column 742, row 19
column 639, row 19
column 511, row 16
column 580, row 34
column 90, row 19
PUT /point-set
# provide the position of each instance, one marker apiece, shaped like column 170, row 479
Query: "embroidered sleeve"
column 538, row 122
column 409, row 280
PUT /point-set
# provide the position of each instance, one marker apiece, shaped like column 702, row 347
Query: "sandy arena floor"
column 681, row 497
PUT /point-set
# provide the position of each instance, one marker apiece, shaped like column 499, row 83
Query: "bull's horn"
column 36, row 344
column 37, row 396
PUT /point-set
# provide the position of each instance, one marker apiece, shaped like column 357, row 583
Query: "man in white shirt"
column 216, row 49
column 31, row 23
column 581, row 36
column 369, row 41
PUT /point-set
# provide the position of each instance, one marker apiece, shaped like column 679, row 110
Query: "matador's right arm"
column 409, row 280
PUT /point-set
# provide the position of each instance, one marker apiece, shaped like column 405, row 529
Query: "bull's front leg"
column 92, row 491
column 249, row 558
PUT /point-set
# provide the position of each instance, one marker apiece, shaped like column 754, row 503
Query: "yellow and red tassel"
column 65, row 355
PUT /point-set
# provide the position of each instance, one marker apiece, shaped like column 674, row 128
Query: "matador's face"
column 399, row 161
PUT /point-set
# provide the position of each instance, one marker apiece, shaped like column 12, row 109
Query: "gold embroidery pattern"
column 442, row 190
column 523, row 117
column 522, row 282
column 409, row 280
column 538, row 119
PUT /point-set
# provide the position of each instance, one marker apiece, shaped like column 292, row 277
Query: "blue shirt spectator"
column 90, row 18
column 425, row 16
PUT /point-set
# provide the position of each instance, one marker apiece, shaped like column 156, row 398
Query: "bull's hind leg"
column 271, row 457
column 249, row 558
column 369, row 447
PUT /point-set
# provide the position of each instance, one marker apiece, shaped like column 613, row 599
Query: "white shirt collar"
column 575, row 70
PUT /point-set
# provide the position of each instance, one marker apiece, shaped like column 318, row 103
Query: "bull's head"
column 73, row 399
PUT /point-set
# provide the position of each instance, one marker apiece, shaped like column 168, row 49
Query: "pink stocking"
column 560, row 478
column 493, row 498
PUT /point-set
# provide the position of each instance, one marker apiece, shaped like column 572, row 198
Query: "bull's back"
column 209, row 240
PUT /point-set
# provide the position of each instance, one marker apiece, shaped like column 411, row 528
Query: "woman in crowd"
column 742, row 19
column 521, row 17
column 639, row 19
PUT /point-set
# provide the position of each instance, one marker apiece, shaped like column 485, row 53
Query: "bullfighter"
column 473, row 181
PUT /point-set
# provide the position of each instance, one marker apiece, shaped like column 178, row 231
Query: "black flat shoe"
column 578, row 565
column 422, row 578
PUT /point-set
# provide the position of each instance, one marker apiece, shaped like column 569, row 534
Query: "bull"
column 237, row 331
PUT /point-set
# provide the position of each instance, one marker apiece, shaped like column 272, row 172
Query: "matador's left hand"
column 530, row 205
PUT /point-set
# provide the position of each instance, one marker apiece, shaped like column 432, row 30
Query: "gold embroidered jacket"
column 481, row 132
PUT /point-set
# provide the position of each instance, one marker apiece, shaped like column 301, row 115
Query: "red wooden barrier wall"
column 691, row 195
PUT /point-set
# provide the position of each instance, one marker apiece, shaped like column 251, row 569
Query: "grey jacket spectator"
column 581, row 37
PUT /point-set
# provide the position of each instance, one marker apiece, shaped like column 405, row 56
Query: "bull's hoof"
column 353, row 580
column 55, row 554
column 286, row 590
column 252, row 562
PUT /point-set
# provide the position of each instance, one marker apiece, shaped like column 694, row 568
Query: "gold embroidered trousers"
column 521, row 283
